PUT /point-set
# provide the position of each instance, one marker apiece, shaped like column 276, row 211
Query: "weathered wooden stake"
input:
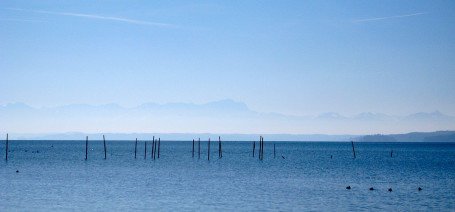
column 260, row 145
column 86, row 147
column 104, row 142
column 199, row 148
column 262, row 149
column 192, row 154
column 145, row 149
column 154, row 150
column 6, row 148
column 254, row 147
column 208, row 150
column 135, row 149
column 153, row 144
column 219, row 147
column 391, row 153
column 274, row 151
column 159, row 144
column 353, row 149
column 262, row 154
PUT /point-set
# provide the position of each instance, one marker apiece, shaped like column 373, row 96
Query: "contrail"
column 387, row 17
column 99, row 17
column 20, row 20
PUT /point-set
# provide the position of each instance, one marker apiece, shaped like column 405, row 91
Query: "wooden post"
column 208, row 150
column 353, row 149
column 219, row 147
column 254, row 147
column 274, row 156
column 260, row 146
column 199, row 148
column 104, row 142
column 159, row 144
column 153, row 146
column 154, row 150
column 145, row 149
column 135, row 149
column 262, row 149
column 6, row 147
column 262, row 154
column 391, row 153
column 192, row 154
column 86, row 147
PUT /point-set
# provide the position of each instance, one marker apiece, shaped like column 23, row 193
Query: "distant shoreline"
column 437, row 136
column 278, row 141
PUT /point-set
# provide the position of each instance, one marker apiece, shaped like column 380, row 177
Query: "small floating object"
column 419, row 189
column 371, row 188
column 349, row 187
column 390, row 190
column 17, row 171
column 331, row 156
column 283, row 157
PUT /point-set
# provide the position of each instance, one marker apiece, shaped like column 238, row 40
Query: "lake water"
column 54, row 175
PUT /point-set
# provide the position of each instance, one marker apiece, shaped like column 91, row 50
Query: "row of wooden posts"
column 156, row 144
column 261, row 148
column 153, row 155
column 220, row 150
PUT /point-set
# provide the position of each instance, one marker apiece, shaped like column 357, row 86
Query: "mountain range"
column 218, row 117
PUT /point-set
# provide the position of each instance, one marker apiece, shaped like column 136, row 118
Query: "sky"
column 296, row 58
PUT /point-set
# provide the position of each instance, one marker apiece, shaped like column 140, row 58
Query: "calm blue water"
column 53, row 175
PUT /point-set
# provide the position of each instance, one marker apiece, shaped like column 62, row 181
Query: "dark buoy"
column 17, row 171
column 419, row 189
column 390, row 190
column 371, row 189
column 349, row 187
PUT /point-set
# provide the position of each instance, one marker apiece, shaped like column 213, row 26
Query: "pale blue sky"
column 291, row 57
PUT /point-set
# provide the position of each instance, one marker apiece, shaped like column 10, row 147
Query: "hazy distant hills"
column 439, row 136
column 224, row 117
column 179, row 136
